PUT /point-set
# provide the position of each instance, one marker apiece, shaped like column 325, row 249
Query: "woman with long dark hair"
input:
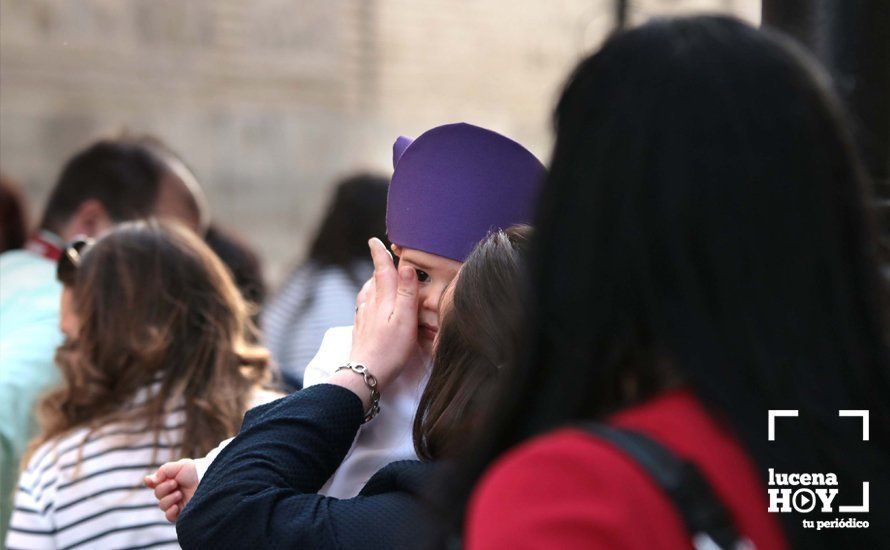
column 705, row 255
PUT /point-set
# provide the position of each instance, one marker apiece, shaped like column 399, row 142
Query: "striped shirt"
column 312, row 300
column 85, row 490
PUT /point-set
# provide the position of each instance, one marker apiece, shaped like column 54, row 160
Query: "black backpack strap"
column 704, row 515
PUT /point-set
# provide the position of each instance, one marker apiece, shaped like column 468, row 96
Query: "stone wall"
column 270, row 100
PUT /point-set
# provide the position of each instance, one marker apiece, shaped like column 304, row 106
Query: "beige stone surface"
column 270, row 100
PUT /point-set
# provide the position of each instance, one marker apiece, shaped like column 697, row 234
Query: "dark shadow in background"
column 852, row 40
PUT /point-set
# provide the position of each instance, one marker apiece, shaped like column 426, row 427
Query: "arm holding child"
column 263, row 486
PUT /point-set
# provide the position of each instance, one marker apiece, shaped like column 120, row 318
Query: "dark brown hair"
column 692, row 217
column 155, row 306
column 356, row 211
column 242, row 261
column 14, row 216
column 123, row 175
column 476, row 332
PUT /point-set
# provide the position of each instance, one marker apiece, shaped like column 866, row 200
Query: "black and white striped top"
column 86, row 490
column 314, row 299
column 99, row 500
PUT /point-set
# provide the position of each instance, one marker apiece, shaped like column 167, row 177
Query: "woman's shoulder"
column 603, row 492
column 46, row 466
column 574, row 487
column 565, row 460
column 46, row 458
column 54, row 458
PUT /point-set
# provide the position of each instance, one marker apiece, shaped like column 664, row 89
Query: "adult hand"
column 174, row 485
column 384, row 336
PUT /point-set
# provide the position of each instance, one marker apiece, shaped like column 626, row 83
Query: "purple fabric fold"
column 456, row 183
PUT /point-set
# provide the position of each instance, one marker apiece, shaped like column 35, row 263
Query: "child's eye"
column 422, row 276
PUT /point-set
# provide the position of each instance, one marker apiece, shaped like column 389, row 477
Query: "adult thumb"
column 405, row 307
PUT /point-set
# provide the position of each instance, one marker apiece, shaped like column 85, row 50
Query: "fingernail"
column 405, row 273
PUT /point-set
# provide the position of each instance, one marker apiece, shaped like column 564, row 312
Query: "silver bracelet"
column 371, row 382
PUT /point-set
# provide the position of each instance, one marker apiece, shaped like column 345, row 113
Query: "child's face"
column 433, row 275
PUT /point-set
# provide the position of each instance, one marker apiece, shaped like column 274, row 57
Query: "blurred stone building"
column 270, row 100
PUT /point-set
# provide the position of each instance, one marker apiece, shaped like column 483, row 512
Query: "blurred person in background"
column 243, row 263
column 180, row 197
column 13, row 216
column 157, row 365
column 262, row 492
column 110, row 181
column 189, row 198
column 186, row 199
column 320, row 293
column 704, row 255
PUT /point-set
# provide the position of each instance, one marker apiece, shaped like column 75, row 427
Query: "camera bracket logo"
column 808, row 492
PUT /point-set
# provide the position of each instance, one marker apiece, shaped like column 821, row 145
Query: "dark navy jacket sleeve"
column 261, row 491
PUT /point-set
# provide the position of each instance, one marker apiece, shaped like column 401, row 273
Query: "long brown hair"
column 157, row 309
column 475, row 334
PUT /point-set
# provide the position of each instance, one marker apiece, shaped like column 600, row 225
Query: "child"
column 450, row 187
column 262, row 491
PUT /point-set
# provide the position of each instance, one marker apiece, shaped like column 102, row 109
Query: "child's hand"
column 174, row 484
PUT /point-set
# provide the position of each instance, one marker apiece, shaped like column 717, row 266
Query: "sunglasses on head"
column 69, row 261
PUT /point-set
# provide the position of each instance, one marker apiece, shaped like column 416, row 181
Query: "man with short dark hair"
column 110, row 181
column 117, row 180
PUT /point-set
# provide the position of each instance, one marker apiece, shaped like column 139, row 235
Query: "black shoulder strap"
column 706, row 518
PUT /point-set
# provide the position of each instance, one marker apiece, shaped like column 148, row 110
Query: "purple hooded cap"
column 455, row 184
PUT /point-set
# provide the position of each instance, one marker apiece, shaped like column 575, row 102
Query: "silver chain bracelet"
column 371, row 382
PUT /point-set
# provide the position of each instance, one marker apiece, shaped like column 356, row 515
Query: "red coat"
column 567, row 489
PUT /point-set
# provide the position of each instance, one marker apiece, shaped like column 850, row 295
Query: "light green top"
column 29, row 336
